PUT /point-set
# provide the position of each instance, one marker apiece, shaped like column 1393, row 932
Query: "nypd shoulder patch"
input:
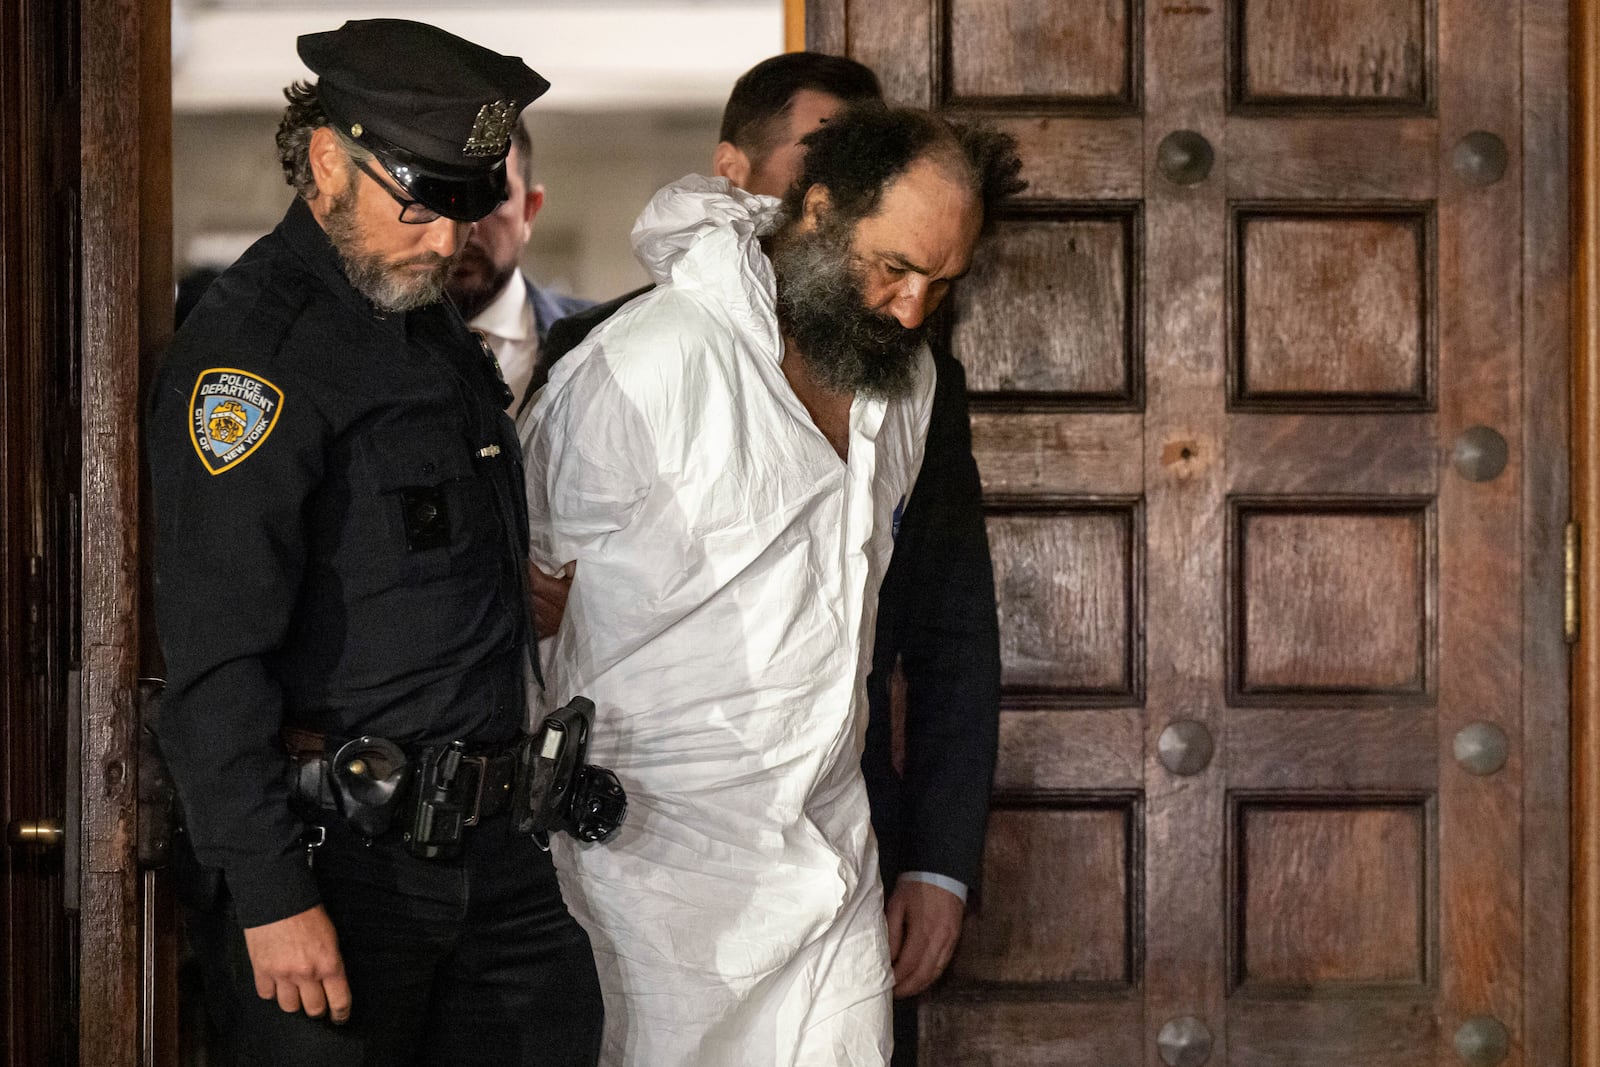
column 230, row 415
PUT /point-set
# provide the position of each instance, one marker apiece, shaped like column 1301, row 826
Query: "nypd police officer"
column 340, row 537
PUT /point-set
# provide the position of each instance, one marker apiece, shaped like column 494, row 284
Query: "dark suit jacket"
column 936, row 612
column 568, row 333
column 549, row 308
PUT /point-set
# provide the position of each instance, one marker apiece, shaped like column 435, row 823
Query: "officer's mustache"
column 428, row 259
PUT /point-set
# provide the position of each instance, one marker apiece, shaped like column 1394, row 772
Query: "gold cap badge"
column 491, row 130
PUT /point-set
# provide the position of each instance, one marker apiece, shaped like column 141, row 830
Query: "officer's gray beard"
column 387, row 284
column 822, row 308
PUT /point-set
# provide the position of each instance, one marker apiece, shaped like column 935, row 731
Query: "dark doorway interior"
column 40, row 455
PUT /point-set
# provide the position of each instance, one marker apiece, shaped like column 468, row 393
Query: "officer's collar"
column 306, row 236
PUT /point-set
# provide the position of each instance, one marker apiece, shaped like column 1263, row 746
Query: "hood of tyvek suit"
column 703, row 232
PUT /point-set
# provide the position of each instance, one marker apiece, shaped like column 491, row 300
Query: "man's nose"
column 913, row 301
column 444, row 236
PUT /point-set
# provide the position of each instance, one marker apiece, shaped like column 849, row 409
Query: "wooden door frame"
column 125, row 200
column 1585, row 1000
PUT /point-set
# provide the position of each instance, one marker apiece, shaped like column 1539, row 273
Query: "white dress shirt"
column 508, row 323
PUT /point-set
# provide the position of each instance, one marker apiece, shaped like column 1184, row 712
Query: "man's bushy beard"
column 385, row 283
column 822, row 308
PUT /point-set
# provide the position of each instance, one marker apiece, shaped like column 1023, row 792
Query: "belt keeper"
column 482, row 763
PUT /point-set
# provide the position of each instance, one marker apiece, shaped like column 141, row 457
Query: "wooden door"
column 1269, row 398
column 39, row 655
column 123, row 118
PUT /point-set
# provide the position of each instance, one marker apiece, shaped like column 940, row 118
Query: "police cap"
column 437, row 111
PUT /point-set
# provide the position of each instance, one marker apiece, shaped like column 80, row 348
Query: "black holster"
column 557, row 789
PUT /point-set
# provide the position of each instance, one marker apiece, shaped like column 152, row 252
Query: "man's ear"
column 532, row 201
column 816, row 206
column 327, row 160
column 730, row 162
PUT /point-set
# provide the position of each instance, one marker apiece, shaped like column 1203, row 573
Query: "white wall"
column 599, row 55
column 637, row 90
column 598, row 169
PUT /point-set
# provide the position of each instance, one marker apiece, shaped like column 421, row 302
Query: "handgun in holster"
column 557, row 790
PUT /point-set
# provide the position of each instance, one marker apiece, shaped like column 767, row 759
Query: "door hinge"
column 1570, row 611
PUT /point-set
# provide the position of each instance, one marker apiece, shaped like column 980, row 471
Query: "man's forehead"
column 928, row 217
column 928, row 180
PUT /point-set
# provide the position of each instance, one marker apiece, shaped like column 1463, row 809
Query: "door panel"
column 1331, row 306
column 1311, row 914
column 1038, row 936
column 1352, row 54
column 1053, row 645
column 1249, row 401
column 997, row 52
column 1331, row 603
column 1075, row 338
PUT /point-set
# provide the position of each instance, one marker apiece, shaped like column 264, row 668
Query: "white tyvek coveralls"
column 721, row 620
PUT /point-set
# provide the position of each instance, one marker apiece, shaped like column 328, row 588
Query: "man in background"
column 930, row 754
column 489, row 287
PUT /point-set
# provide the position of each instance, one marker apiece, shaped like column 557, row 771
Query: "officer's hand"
column 924, row 926
column 297, row 963
column 549, row 597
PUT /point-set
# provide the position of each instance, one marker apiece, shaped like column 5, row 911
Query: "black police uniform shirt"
column 340, row 520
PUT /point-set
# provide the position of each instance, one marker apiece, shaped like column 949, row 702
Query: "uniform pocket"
column 418, row 473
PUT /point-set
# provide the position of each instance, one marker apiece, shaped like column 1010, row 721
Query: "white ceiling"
column 599, row 54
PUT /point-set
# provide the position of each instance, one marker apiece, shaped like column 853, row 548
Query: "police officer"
column 340, row 535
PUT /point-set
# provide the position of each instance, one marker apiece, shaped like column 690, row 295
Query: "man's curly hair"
column 861, row 152
column 301, row 119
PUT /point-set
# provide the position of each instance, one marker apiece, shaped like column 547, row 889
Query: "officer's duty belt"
column 484, row 785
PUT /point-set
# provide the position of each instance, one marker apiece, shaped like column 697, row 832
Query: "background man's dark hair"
column 522, row 141
column 764, row 95
column 300, row 120
column 861, row 152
